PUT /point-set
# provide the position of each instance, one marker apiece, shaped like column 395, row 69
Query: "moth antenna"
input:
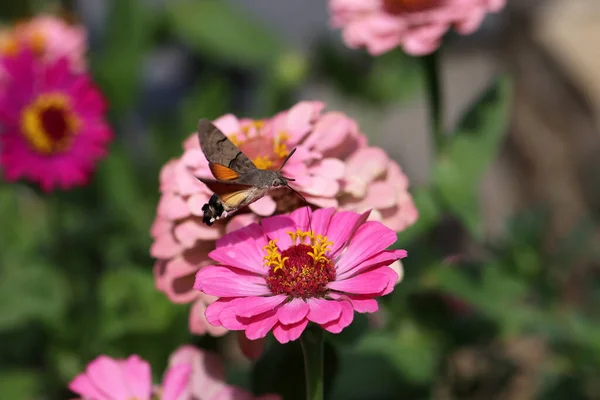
column 287, row 158
column 306, row 203
column 288, row 179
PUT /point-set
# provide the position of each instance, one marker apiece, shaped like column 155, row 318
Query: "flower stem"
column 434, row 94
column 312, row 349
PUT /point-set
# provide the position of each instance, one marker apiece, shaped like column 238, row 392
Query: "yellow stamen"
column 32, row 123
column 262, row 162
column 319, row 243
column 9, row 46
column 273, row 257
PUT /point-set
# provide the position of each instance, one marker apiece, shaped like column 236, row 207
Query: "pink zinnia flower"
column 49, row 38
column 207, row 380
column 107, row 378
column 53, row 127
column 415, row 25
column 280, row 275
column 333, row 167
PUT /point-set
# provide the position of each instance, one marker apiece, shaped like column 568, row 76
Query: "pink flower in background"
column 416, row 25
column 279, row 276
column 49, row 38
column 107, row 378
column 207, row 380
column 328, row 168
column 52, row 121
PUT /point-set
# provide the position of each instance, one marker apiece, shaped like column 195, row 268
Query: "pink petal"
column 289, row 333
column 321, row 219
column 345, row 319
column 331, row 168
column 227, row 316
column 293, row 312
column 198, row 322
column 243, row 249
column 172, row 207
column 83, row 386
column 139, row 377
column 277, row 228
column 260, row 326
column 165, row 246
column 228, row 124
column 224, row 282
column 370, row 238
column 376, row 261
column 372, row 282
column 175, row 381
column 240, row 221
column 342, row 227
column 301, row 217
column 253, row 306
column 323, row 311
column 214, row 310
column 264, row 207
column 106, row 373
column 189, row 232
column 361, row 304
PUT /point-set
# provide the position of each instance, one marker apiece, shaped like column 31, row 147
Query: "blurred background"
column 501, row 291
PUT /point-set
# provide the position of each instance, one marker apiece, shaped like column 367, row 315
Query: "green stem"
column 312, row 349
column 431, row 70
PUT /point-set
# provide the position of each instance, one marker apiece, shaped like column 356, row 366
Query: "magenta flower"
column 333, row 167
column 207, row 380
column 53, row 124
column 278, row 275
column 107, row 378
column 415, row 25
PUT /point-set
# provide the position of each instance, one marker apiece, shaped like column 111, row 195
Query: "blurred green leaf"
column 31, row 289
column 130, row 304
column 429, row 215
column 20, row 384
column 222, row 32
column 209, row 99
column 472, row 148
column 122, row 192
column 394, row 76
column 118, row 65
column 410, row 350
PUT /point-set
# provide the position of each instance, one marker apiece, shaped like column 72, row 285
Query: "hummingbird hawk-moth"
column 238, row 182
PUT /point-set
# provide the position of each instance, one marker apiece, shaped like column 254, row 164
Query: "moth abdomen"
column 212, row 211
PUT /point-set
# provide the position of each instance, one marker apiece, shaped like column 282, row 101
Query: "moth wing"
column 222, row 173
column 218, row 149
column 231, row 194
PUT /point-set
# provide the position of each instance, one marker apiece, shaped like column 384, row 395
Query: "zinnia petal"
column 323, row 311
column 293, row 312
column 287, row 333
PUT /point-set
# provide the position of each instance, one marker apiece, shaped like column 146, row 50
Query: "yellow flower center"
column 302, row 270
column 49, row 123
column 265, row 152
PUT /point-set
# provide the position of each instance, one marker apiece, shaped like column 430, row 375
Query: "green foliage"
column 472, row 147
column 220, row 32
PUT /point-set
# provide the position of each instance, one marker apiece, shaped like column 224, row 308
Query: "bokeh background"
column 501, row 291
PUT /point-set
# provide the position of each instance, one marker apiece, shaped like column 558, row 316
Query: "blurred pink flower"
column 416, row 25
column 207, row 380
column 54, row 131
column 107, row 378
column 279, row 276
column 328, row 168
column 50, row 38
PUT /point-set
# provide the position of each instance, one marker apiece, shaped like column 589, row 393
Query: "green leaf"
column 31, row 290
column 394, row 76
column 209, row 99
column 222, row 32
column 20, row 384
column 471, row 150
column 130, row 304
column 429, row 215
column 410, row 350
column 118, row 65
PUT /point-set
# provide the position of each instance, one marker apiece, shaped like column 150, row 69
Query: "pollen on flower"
column 49, row 124
column 262, row 162
column 400, row 6
column 304, row 269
